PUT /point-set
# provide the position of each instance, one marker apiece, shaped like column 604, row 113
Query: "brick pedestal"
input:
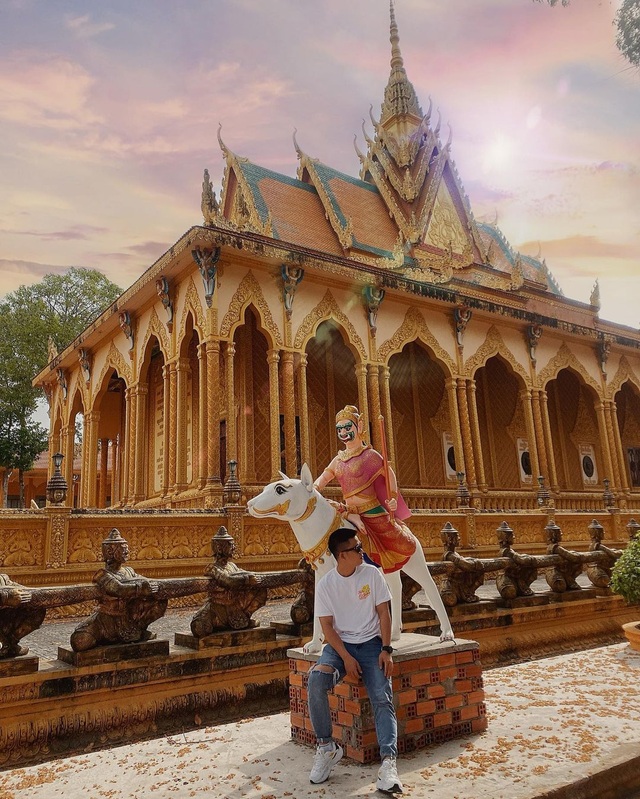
column 438, row 694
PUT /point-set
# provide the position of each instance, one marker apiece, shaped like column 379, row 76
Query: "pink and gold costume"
column 388, row 543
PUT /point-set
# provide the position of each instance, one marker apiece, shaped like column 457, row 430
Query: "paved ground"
column 551, row 723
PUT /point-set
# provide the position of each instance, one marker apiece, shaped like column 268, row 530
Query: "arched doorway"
column 627, row 402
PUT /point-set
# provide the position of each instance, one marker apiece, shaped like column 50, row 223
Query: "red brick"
column 307, row 724
column 420, row 678
column 346, row 719
column 426, row 708
column 474, row 670
column 479, row 725
column 355, row 754
column 475, row 696
column 297, row 720
column 333, row 702
column 469, row 712
column 337, row 732
column 353, row 706
column 446, row 660
column 342, row 690
column 295, row 679
column 450, row 673
column 413, row 725
column 465, row 657
column 456, row 700
column 463, row 686
column 303, row 666
column 407, row 697
column 442, row 719
column 435, row 691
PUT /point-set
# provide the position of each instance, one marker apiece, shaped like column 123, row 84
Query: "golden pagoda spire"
column 399, row 97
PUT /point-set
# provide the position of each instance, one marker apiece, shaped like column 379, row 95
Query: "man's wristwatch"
column 388, row 649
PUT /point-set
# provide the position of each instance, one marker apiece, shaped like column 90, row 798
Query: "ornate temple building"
column 298, row 295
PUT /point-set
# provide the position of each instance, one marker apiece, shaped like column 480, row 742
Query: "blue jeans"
column 378, row 687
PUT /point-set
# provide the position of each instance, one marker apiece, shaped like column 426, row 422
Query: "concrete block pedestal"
column 438, row 694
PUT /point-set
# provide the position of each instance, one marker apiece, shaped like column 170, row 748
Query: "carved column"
column 90, row 438
column 172, row 422
column 539, row 433
column 104, row 463
column 618, row 448
column 606, row 451
column 525, row 399
column 213, row 412
column 142, row 442
column 67, row 436
column 166, row 412
column 613, row 444
column 363, row 403
column 232, row 437
column 305, row 448
column 183, row 375
column 289, row 411
column 475, row 434
column 129, row 444
column 115, row 493
column 465, row 429
column 386, row 410
column 548, row 440
column 451, row 386
column 202, row 415
column 273, row 358
column 374, row 404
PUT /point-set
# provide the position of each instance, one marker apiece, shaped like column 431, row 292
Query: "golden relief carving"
column 250, row 292
column 115, row 360
column 445, row 229
column 624, row 372
column 517, row 428
column 415, row 327
column 563, row 359
column 157, row 329
column 327, row 309
column 494, row 345
column 57, row 547
column 21, row 547
column 84, row 545
column 585, row 429
column 191, row 305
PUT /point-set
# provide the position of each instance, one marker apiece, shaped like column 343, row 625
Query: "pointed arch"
column 249, row 292
column 625, row 372
column 115, row 360
column 414, row 327
column 328, row 310
column 191, row 304
column 494, row 345
column 565, row 359
column 157, row 329
column 78, row 386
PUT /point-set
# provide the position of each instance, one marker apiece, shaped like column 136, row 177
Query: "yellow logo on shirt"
column 364, row 592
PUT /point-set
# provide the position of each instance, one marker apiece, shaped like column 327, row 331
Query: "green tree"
column 60, row 307
column 628, row 24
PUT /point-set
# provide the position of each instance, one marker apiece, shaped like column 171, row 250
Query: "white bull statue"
column 313, row 519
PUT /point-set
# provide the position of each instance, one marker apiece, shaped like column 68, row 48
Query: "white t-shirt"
column 352, row 601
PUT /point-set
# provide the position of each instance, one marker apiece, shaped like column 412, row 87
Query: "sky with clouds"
column 109, row 113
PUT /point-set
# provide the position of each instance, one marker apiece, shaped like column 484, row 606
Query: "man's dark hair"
column 338, row 538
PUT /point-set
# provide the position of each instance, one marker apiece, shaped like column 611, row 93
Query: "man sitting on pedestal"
column 352, row 603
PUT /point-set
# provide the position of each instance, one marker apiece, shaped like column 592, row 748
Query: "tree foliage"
column 60, row 307
column 628, row 24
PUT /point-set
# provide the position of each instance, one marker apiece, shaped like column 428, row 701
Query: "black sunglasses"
column 357, row 548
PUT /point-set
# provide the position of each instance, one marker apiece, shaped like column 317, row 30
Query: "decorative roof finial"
column 396, row 55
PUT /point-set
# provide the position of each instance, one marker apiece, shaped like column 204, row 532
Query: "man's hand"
column 385, row 661
column 352, row 666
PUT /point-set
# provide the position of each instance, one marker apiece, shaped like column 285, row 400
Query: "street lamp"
column 57, row 486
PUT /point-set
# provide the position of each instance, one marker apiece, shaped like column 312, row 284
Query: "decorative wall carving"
column 563, row 359
column 250, row 292
column 328, row 309
column 414, row 327
column 191, row 304
column 624, row 372
column 494, row 345
column 157, row 329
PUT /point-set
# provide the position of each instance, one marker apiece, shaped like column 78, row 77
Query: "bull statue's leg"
column 395, row 586
column 418, row 569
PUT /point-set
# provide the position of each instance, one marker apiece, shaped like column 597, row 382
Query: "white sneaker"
column 323, row 763
column 388, row 780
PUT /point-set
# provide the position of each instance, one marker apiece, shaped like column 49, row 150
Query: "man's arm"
column 331, row 637
column 385, row 661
